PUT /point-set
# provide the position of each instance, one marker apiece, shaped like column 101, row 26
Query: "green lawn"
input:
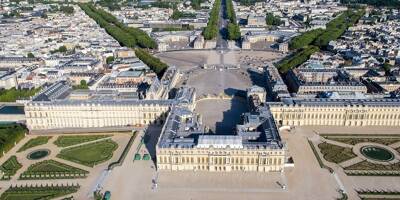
column 51, row 169
column 11, row 95
column 334, row 153
column 65, row 141
column 35, row 142
column 39, row 192
column 90, row 154
column 10, row 167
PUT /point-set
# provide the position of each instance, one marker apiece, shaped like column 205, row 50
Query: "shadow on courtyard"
column 256, row 77
column 231, row 117
column 150, row 140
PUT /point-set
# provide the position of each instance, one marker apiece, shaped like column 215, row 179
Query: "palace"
column 255, row 146
column 337, row 112
column 184, row 143
column 63, row 114
column 102, row 113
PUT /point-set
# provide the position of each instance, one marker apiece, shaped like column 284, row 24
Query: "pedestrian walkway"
column 337, row 143
column 395, row 145
column 350, row 162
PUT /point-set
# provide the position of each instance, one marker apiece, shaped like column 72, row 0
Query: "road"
column 222, row 43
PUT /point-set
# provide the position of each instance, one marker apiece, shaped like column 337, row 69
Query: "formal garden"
column 367, row 194
column 38, row 192
column 39, row 140
column 10, row 167
column 90, row 154
column 361, row 155
column 355, row 139
column 70, row 140
column 51, row 169
column 63, row 158
column 334, row 153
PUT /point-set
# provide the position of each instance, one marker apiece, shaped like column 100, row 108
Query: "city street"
column 222, row 43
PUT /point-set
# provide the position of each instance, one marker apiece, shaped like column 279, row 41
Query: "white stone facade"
column 87, row 114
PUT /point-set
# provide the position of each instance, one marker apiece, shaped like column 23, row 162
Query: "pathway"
column 337, row 143
column 350, row 162
column 395, row 145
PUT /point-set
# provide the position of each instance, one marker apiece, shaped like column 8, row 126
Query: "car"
column 107, row 195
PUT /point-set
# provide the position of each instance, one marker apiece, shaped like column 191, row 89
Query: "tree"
column 230, row 11
column 388, row 3
column 126, row 36
column 13, row 94
column 297, row 59
column 211, row 30
column 43, row 15
column 178, row 15
column 233, row 31
column 386, row 66
column 272, row 20
column 336, row 27
column 83, row 85
column 305, row 39
column 109, row 59
column 30, row 55
column 67, row 9
column 154, row 63
column 62, row 49
column 196, row 4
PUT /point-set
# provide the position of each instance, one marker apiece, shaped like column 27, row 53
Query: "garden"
column 371, row 194
column 40, row 140
column 37, row 192
column 366, row 168
column 336, row 154
column 51, row 169
column 352, row 140
column 66, row 141
column 376, row 160
column 320, row 162
column 90, row 154
column 10, row 168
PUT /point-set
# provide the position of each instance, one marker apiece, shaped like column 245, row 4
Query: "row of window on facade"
column 220, row 160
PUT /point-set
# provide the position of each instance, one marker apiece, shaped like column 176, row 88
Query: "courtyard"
column 190, row 59
column 221, row 115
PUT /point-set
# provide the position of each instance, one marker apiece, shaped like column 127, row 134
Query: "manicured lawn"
column 51, row 169
column 90, row 154
column 35, row 142
column 334, row 153
column 40, row 192
column 10, row 167
column 65, row 141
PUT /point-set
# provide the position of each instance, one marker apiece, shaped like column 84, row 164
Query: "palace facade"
column 337, row 112
column 254, row 146
column 45, row 115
